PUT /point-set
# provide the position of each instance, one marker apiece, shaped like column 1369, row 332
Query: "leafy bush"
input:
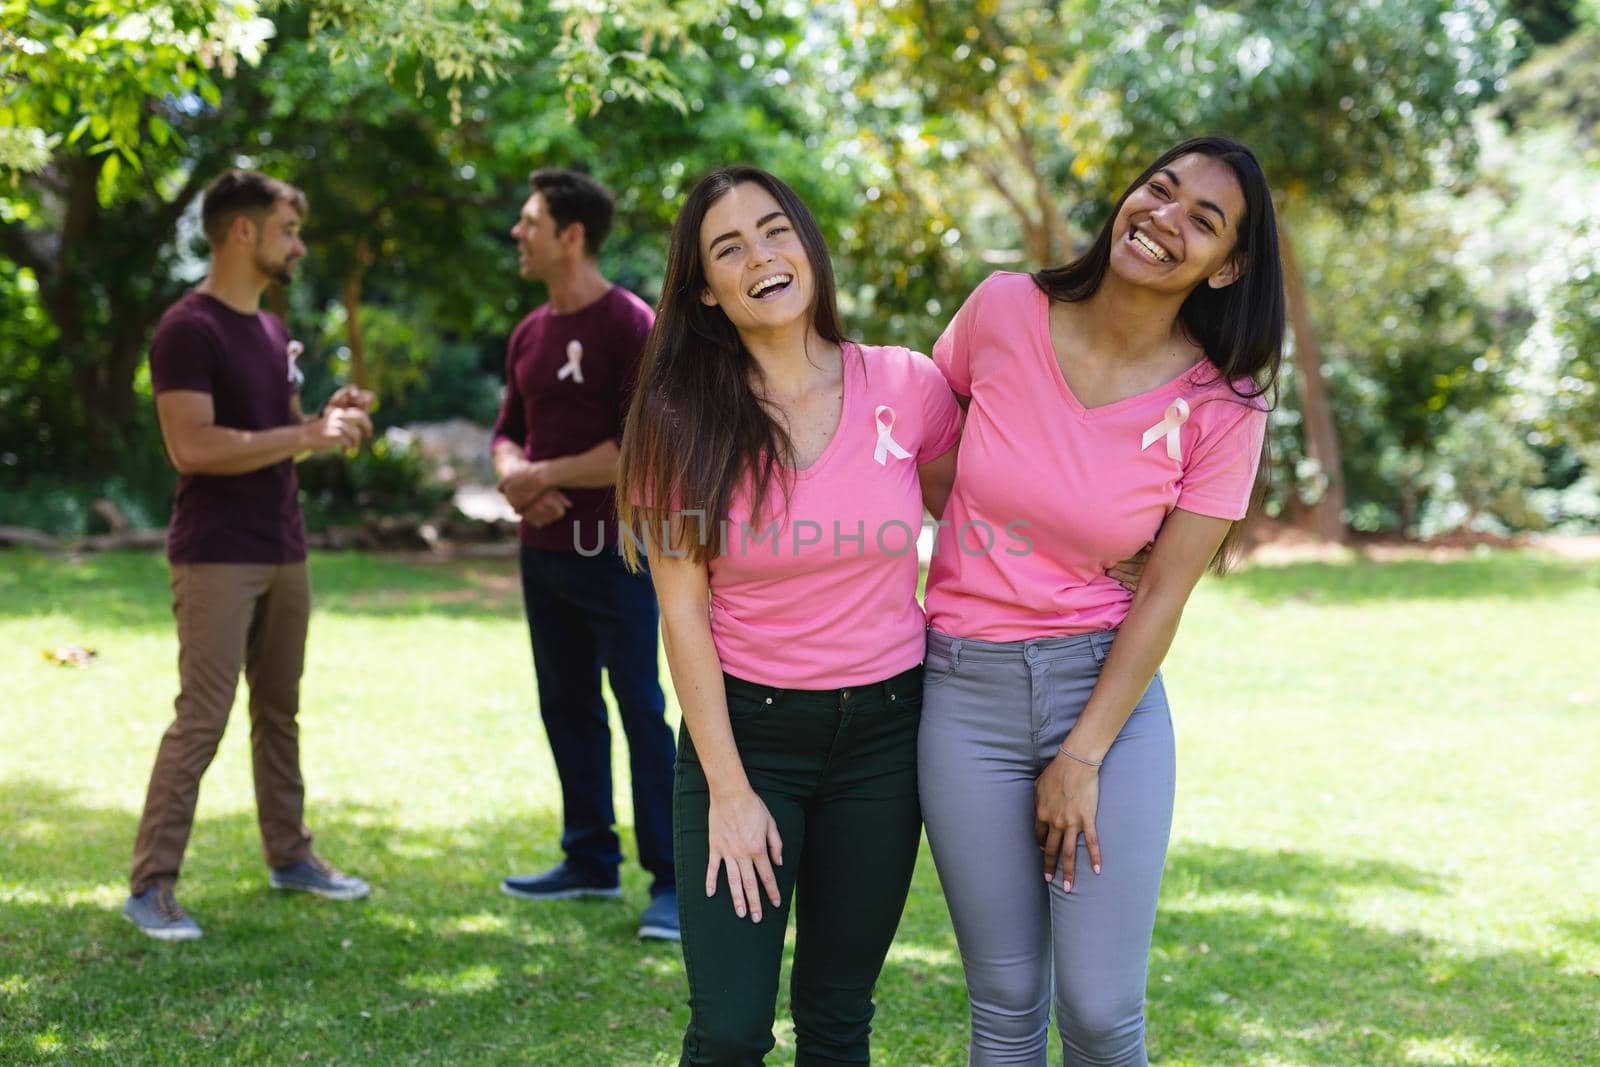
column 384, row 478
column 1480, row 478
column 64, row 507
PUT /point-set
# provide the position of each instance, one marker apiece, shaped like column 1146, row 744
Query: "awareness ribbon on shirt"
column 574, row 367
column 1176, row 415
column 297, row 377
column 887, row 446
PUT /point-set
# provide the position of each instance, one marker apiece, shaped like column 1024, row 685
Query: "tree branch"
column 998, row 181
column 82, row 198
column 1016, row 139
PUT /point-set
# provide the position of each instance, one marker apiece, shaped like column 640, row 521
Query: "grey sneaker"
column 660, row 919
column 317, row 875
column 157, row 913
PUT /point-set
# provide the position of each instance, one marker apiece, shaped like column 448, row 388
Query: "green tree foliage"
column 136, row 105
column 934, row 141
column 1347, row 105
column 1410, row 348
column 1039, row 113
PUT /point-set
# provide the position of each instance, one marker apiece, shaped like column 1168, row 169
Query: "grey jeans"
column 993, row 716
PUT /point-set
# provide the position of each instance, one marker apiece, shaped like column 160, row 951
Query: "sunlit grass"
column 1387, row 845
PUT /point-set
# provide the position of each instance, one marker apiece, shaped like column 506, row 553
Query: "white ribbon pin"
column 887, row 446
column 574, row 367
column 1176, row 415
column 297, row 377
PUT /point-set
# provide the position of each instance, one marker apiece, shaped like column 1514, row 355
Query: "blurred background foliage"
column 1435, row 163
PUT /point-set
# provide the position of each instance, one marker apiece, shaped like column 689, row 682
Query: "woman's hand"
column 1065, row 798
column 743, row 837
column 1128, row 572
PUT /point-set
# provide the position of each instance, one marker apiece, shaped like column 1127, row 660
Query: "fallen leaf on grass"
column 70, row 655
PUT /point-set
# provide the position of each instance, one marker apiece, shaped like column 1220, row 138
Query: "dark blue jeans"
column 837, row 770
column 585, row 613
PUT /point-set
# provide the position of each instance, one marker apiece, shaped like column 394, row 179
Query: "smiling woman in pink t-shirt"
column 1111, row 402
column 773, row 467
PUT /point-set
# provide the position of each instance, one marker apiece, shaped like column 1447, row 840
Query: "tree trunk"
column 352, row 325
column 1325, row 517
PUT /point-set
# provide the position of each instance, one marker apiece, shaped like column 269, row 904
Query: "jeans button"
column 845, row 695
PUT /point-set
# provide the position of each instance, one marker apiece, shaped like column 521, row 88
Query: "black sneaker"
column 157, row 913
column 316, row 875
column 560, row 882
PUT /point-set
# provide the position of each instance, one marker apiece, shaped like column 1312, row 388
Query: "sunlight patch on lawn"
column 934, row 957
column 668, row 964
column 477, row 979
column 1256, row 903
column 1455, row 1050
column 481, row 923
column 100, row 896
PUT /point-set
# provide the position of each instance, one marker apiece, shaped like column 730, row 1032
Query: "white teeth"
column 1150, row 246
column 768, row 283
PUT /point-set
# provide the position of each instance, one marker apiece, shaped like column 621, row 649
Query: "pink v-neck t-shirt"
column 1048, row 493
column 823, row 595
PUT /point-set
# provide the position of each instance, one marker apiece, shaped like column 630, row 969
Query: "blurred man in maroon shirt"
column 570, row 372
column 227, row 398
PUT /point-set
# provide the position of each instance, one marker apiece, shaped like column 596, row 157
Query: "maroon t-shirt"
column 242, row 360
column 569, row 379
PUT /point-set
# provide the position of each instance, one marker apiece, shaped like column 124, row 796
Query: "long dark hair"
column 695, row 427
column 1240, row 326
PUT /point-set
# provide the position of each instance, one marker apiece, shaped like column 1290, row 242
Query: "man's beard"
column 282, row 273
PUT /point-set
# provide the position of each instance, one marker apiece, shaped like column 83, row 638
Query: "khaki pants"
column 230, row 616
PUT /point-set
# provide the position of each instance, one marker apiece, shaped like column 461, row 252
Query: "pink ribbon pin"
column 297, row 377
column 887, row 446
column 1176, row 415
column 574, row 367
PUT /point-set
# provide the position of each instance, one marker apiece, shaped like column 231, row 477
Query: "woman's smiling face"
column 1180, row 228
column 755, row 265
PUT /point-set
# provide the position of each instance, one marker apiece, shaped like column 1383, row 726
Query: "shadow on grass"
column 131, row 588
column 1585, row 930
column 119, row 588
column 1256, row 959
column 438, row 966
column 1507, row 575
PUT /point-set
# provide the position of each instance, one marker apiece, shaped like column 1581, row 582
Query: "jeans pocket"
column 940, row 663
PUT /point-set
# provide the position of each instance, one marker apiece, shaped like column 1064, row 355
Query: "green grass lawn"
column 1387, row 845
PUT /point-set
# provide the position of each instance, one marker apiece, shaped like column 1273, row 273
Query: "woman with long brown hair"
column 771, row 467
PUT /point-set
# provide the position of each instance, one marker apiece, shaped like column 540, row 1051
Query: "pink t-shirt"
column 1049, row 493
column 825, row 596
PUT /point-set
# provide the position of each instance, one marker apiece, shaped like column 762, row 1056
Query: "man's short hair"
column 239, row 192
column 573, row 196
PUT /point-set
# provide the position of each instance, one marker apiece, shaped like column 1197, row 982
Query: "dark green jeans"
column 838, row 771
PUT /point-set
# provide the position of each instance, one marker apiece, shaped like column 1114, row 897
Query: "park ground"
column 1386, row 851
